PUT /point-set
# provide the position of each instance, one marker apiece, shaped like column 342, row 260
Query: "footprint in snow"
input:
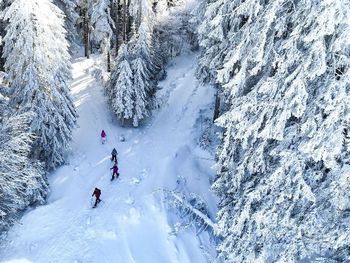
column 173, row 84
column 135, row 181
column 130, row 201
column 88, row 221
column 133, row 216
column 144, row 174
column 33, row 246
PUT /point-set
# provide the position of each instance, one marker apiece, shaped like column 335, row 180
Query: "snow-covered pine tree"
column 159, row 56
column 143, row 49
column 173, row 27
column 142, row 77
column 121, row 91
column 102, row 25
column 141, row 10
column 140, row 86
column 37, row 63
column 22, row 182
column 145, row 20
column 70, row 9
column 102, row 28
column 213, row 23
column 283, row 180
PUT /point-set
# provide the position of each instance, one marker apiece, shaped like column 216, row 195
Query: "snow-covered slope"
column 132, row 223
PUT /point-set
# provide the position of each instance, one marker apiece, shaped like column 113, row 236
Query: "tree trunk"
column 116, row 20
column 128, row 21
column 217, row 106
column 86, row 31
column 2, row 34
column 124, row 21
column 108, row 61
column 2, row 60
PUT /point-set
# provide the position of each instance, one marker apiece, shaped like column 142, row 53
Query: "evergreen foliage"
column 283, row 177
column 121, row 89
column 22, row 181
column 38, row 67
column 102, row 24
column 143, row 53
column 71, row 11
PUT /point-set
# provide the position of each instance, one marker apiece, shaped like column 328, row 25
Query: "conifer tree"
column 140, row 85
column 102, row 24
column 121, row 86
column 143, row 50
column 282, row 164
column 22, row 181
column 70, row 9
column 38, row 67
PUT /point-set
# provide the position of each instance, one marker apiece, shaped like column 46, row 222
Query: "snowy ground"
column 133, row 223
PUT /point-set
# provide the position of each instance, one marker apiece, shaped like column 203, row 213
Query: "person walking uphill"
column 115, row 171
column 103, row 136
column 114, row 155
column 97, row 194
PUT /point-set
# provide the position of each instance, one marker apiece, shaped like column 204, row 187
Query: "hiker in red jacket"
column 103, row 136
column 97, row 194
column 115, row 171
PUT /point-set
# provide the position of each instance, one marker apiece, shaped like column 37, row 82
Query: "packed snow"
column 133, row 223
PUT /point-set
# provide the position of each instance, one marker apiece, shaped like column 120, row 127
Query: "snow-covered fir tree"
column 141, row 10
column 22, row 181
column 121, row 86
column 283, row 176
column 102, row 25
column 174, row 29
column 140, row 85
column 70, row 9
column 143, row 77
column 146, row 22
column 142, row 49
column 38, row 67
column 210, row 34
column 102, row 28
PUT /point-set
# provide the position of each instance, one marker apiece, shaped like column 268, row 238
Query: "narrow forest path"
column 132, row 224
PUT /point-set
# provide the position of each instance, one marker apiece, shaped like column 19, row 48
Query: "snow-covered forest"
column 230, row 119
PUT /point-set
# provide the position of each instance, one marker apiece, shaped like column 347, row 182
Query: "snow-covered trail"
column 132, row 224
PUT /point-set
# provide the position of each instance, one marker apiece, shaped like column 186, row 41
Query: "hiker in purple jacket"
column 103, row 136
column 115, row 171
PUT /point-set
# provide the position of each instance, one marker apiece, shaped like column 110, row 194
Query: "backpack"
column 97, row 192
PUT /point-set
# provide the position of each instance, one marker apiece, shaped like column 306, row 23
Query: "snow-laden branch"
column 190, row 208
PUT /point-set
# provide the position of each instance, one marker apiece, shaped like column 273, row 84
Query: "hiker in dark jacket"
column 114, row 155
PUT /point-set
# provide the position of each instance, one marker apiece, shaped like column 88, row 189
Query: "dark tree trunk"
column 217, row 106
column 2, row 34
column 124, row 24
column 86, row 31
column 128, row 22
column 116, row 19
column 108, row 61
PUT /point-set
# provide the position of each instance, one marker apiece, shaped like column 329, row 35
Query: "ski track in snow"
column 131, row 224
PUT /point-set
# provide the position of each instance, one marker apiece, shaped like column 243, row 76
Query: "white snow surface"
column 132, row 224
